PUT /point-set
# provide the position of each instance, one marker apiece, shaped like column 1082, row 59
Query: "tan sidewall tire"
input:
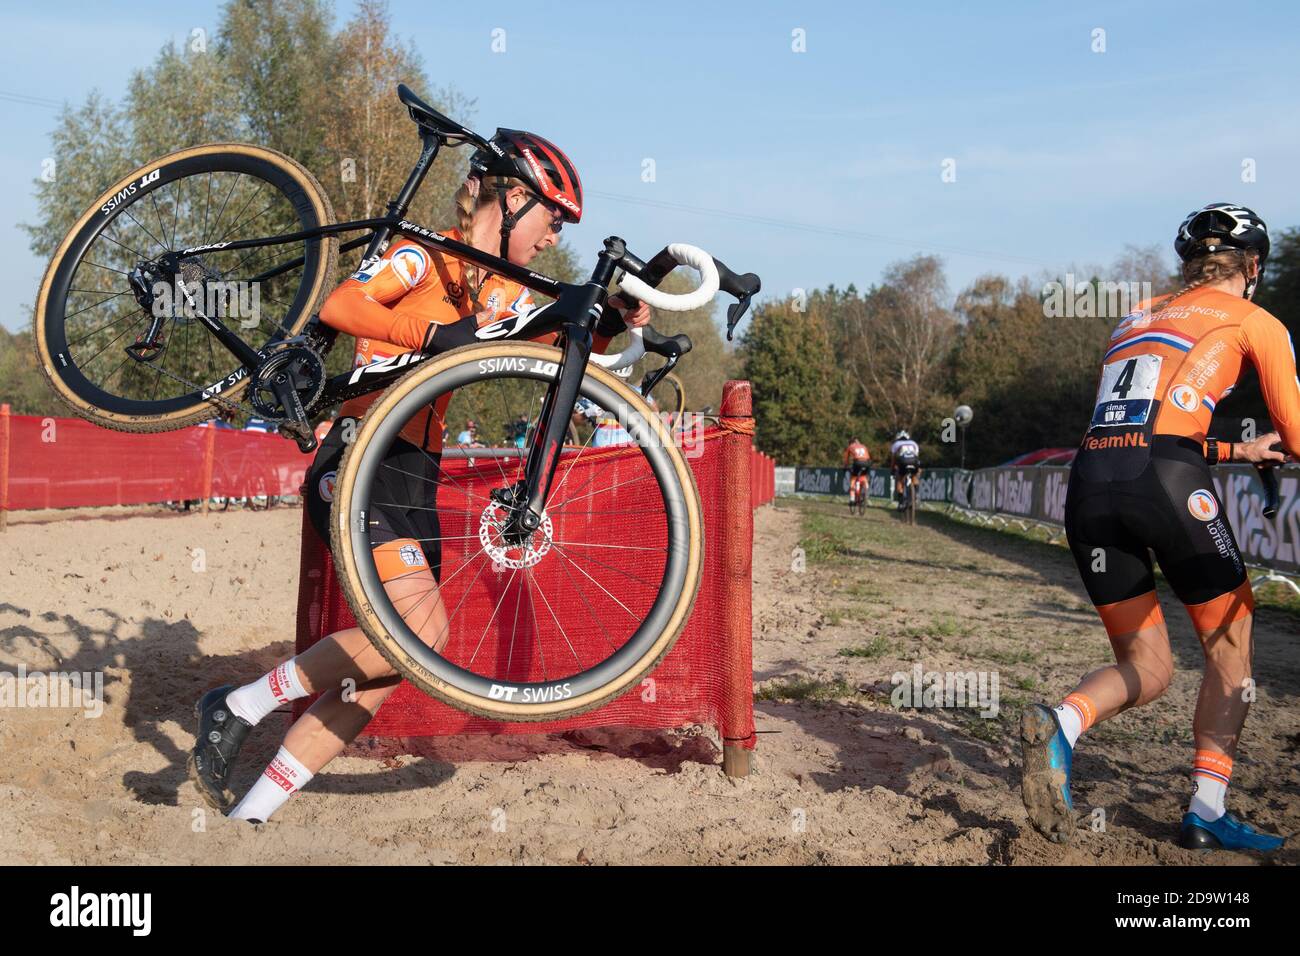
column 200, row 411
column 341, row 541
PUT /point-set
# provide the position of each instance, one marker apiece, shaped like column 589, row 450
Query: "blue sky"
column 828, row 162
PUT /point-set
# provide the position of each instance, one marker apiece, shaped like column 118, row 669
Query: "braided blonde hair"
column 1207, row 270
column 474, row 194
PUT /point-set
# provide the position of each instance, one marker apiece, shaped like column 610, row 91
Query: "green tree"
column 801, row 399
column 21, row 383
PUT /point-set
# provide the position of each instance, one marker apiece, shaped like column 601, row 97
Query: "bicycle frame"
column 573, row 315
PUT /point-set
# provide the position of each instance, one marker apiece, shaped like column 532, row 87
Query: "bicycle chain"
column 234, row 405
column 214, row 399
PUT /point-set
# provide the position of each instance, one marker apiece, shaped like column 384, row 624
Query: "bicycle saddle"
column 431, row 121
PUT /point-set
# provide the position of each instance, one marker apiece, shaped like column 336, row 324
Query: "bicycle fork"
column 527, row 499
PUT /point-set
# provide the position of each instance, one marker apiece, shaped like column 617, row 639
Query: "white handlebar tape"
column 686, row 255
column 624, row 359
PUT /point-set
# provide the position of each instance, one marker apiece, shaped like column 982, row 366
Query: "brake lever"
column 1268, row 478
column 742, row 287
column 671, row 347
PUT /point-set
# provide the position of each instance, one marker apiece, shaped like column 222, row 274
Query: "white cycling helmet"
column 902, row 436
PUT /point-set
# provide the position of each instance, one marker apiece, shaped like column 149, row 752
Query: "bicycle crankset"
column 285, row 388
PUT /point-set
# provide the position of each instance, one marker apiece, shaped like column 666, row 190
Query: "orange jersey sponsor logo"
column 1201, row 505
column 1129, row 440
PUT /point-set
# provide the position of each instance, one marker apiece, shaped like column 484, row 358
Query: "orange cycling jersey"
column 1177, row 364
column 856, row 452
column 397, row 305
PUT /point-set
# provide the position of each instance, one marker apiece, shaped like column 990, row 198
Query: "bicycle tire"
column 388, row 631
column 53, row 351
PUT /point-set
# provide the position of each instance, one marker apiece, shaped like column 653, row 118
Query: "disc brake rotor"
column 491, row 534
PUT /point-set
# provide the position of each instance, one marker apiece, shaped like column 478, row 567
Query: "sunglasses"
column 557, row 217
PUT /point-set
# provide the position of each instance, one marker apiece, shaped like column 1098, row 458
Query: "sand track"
column 166, row 606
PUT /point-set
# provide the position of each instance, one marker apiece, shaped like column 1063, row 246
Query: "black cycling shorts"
column 859, row 468
column 1154, row 494
column 403, row 495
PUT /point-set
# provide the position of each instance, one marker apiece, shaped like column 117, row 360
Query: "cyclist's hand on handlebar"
column 1259, row 451
column 633, row 318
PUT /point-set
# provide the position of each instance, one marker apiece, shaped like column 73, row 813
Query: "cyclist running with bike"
column 1140, row 484
column 904, row 459
column 857, row 459
column 515, row 200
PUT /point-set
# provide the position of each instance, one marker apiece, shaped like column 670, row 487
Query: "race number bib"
column 1127, row 389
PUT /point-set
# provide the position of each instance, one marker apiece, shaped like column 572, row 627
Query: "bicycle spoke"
column 158, row 242
column 452, row 616
column 487, row 627
column 106, row 325
column 514, row 627
column 560, row 627
column 598, row 584
column 531, row 584
column 619, row 547
column 626, row 574
column 107, row 234
column 591, row 611
column 222, row 211
column 600, row 491
column 110, row 342
column 456, row 484
column 207, row 205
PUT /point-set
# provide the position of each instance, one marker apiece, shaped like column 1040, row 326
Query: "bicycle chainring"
column 306, row 372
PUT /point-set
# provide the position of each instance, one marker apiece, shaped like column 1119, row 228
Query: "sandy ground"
column 168, row 605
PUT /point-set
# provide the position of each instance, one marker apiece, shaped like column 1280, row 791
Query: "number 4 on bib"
column 1127, row 389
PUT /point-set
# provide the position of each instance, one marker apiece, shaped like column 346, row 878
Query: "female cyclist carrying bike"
column 514, row 202
column 1140, row 484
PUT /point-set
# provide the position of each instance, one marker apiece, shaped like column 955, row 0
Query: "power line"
column 31, row 100
column 819, row 230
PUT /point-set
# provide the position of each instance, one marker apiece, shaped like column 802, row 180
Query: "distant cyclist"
column 857, row 459
column 904, row 456
column 1139, row 484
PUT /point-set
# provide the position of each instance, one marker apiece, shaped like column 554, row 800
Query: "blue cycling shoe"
column 1045, row 780
column 1225, row 833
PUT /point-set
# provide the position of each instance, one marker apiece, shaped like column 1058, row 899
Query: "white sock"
column 1207, row 798
column 1071, row 722
column 254, row 701
column 283, row 777
column 1211, row 774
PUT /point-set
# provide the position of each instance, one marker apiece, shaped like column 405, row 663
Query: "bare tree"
column 895, row 340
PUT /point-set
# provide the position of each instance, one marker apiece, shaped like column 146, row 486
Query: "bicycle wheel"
column 88, row 310
column 553, row 625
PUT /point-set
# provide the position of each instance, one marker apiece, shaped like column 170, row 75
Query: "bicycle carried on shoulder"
column 564, row 574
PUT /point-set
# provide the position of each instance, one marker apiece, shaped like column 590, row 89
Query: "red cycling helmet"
column 536, row 161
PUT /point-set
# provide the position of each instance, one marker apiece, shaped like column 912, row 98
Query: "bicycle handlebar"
column 640, row 281
column 686, row 255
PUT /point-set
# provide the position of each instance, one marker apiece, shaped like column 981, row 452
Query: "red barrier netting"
column 70, row 463
column 707, row 678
